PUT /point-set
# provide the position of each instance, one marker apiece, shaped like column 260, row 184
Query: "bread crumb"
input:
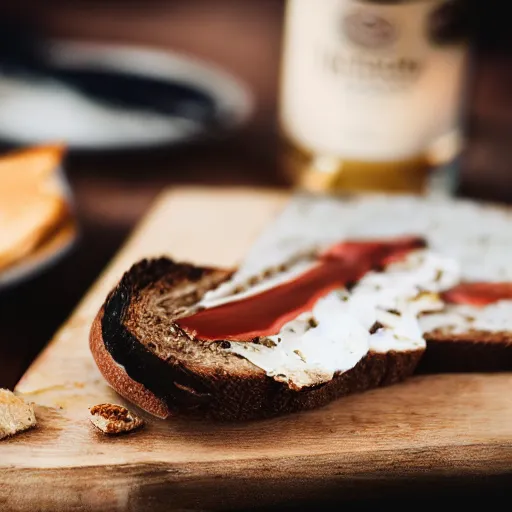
column 15, row 414
column 114, row 419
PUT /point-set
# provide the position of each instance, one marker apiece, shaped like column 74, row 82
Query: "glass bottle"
column 370, row 92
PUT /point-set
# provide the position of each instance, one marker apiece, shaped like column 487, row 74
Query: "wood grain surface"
column 428, row 434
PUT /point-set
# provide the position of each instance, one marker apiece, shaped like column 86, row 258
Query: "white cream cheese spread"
column 378, row 314
column 381, row 312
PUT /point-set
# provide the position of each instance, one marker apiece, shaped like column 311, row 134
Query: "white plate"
column 38, row 108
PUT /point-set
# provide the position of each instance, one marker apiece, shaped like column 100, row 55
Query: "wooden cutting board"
column 430, row 433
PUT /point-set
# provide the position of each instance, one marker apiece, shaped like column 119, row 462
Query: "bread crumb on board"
column 15, row 414
column 114, row 419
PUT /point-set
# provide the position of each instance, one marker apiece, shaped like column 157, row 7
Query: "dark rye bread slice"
column 149, row 360
column 472, row 351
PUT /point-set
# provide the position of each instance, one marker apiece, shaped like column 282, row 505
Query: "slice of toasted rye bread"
column 148, row 359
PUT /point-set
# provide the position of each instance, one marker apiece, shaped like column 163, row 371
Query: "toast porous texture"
column 135, row 334
column 113, row 419
column 16, row 415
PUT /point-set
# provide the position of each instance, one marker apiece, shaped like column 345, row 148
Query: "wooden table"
column 432, row 435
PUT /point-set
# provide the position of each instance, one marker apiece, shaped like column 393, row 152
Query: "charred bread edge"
column 118, row 378
column 170, row 382
column 126, row 363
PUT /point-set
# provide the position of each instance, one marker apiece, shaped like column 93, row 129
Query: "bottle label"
column 369, row 80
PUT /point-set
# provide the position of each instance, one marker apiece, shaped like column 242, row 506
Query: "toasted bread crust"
column 213, row 392
column 113, row 419
column 475, row 351
column 117, row 377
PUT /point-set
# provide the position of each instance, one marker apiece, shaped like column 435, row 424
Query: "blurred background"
column 235, row 144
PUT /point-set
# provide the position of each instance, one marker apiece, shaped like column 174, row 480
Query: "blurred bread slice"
column 15, row 414
column 32, row 203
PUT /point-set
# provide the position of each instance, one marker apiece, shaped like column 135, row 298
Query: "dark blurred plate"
column 98, row 96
